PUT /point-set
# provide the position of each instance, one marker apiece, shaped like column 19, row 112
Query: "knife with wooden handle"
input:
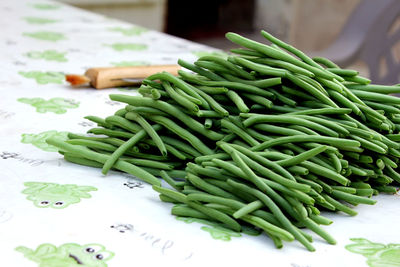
column 101, row 78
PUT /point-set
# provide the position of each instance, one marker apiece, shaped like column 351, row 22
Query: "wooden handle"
column 101, row 78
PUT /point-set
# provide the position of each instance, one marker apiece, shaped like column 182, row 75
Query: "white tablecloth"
column 50, row 209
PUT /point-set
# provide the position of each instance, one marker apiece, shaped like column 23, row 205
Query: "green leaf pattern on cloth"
column 377, row 254
column 45, row 6
column 127, row 46
column 68, row 255
column 130, row 63
column 46, row 35
column 56, row 196
column 57, row 105
column 39, row 20
column 49, row 55
column 44, row 77
column 131, row 31
column 216, row 230
column 39, row 140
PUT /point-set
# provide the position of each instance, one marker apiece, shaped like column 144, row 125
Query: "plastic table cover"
column 54, row 213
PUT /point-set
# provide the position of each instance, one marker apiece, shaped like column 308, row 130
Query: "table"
column 51, row 209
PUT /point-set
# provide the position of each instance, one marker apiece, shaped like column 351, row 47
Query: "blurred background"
column 341, row 30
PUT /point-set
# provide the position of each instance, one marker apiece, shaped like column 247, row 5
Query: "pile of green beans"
column 267, row 138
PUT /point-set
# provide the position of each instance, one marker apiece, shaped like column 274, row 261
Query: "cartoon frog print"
column 378, row 255
column 44, row 77
column 56, row 196
column 39, row 140
column 56, row 105
column 68, row 255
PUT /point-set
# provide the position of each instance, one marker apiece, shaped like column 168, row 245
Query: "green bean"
column 228, row 65
column 376, row 97
column 71, row 157
column 337, row 142
column 111, row 133
column 183, row 101
column 381, row 106
column 205, row 73
column 327, row 123
column 171, row 150
column 275, row 210
column 339, row 206
column 123, row 123
column 213, row 104
column 270, row 128
column 209, row 188
column 262, row 83
column 149, row 130
column 91, row 155
column 301, row 157
column 294, row 93
column 301, row 129
column 286, row 119
column 343, row 72
column 284, row 65
column 185, row 211
column 238, row 101
column 326, row 62
column 298, row 207
column 283, row 99
column 393, row 174
column 124, row 147
column 311, row 90
column 388, row 161
column 324, row 172
column 175, row 112
column 217, row 215
column 99, row 121
column 152, row 84
column 145, row 110
column 246, row 52
column 312, row 184
column 232, row 85
column 121, row 112
column 212, row 90
column 316, row 83
column 249, row 208
column 382, row 89
column 310, row 224
column 357, row 79
column 92, row 144
column 352, row 198
column 289, row 48
column 239, row 132
column 298, row 170
column 271, row 168
column 210, row 172
column 260, row 68
column 277, row 54
column 190, row 98
column 322, row 111
column 386, row 189
column 183, row 133
column 370, row 145
column 212, row 66
column 259, row 100
column 165, row 76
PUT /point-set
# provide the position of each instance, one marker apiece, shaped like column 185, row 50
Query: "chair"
column 371, row 35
